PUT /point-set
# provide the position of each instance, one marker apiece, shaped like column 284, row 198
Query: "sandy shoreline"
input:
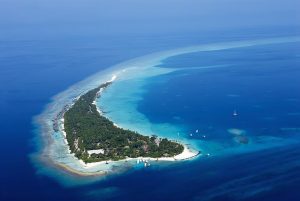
column 187, row 153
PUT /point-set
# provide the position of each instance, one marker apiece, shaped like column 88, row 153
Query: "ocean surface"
column 239, row 106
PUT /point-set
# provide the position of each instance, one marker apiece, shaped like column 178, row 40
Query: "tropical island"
column 94, row 138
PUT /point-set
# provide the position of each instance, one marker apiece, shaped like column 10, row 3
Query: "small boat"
column 197, row 131
column 234, row 113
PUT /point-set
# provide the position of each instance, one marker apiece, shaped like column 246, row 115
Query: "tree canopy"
column 87, row 129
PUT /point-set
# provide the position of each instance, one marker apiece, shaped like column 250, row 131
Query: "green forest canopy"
column 87, row 130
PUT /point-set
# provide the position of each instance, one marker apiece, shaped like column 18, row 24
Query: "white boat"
column 234, row 113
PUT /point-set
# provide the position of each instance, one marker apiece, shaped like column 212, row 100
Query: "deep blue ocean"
column 261, row 83
column 241, row 105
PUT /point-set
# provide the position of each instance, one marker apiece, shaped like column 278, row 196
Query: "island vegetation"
column 87, row 130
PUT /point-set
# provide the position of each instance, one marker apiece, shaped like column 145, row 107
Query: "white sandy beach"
column 187, row 153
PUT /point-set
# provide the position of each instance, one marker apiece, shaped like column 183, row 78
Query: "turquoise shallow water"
column 254, row 155
column 195, row 100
